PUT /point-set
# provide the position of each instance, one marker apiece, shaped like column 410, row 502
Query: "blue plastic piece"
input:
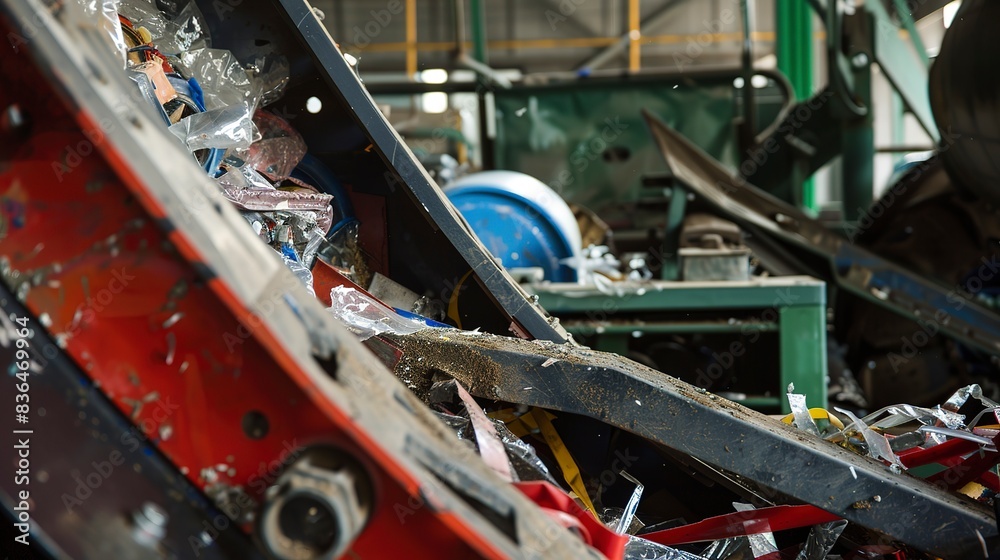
column 289, row 251
column 213, row 163
column 519, row 231
column 197, row 95
column 421, row 319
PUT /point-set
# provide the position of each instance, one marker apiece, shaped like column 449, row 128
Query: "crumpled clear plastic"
column 523, row 456
column 279, row 149
column 343, row 251
column 148, row 92
column 821, row 540
column 488, row 441
column 186, row 30
column 366, row 317
column 225, row 128
column 272, row 74
column 189, row 31
column 301, row 272
column 524, row 461
column 105, row 14
column 638, row 548
column 222, row 79
column 238, row 175
column 311, row 250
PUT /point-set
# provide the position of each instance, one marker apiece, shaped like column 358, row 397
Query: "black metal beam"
column 719, row 432
column 345, row 84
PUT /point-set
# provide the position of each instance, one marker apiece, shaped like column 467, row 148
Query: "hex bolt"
column 150, row 522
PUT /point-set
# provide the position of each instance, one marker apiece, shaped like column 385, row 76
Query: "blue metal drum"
column 520, row 220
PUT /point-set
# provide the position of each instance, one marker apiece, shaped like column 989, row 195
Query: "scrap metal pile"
column 245, row 346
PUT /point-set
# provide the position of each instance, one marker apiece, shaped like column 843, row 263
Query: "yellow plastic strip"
column 570, row 471
column 453, row 301
column 520, row 426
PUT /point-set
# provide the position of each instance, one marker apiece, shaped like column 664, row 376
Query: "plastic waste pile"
column 218, row 109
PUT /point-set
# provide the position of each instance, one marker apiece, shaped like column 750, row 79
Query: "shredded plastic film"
column 821, row 539
column 878, row 446
column 761, row 543
column 800, row 411
column 640, row 549
column 366, row 317
column 223, row 128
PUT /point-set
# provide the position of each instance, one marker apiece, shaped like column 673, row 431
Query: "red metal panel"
column 172, row 349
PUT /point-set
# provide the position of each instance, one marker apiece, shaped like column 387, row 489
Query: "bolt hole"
column 255, row 425
column 310, row 524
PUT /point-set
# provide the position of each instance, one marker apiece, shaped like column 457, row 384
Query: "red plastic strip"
column 550, row 497
column 743, row 523
column 968, row 470
column 951, row 448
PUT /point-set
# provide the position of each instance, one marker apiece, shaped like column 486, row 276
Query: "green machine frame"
column 808, row 130
column 792, row 306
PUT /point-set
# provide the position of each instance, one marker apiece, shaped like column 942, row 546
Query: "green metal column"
column 858, row 161
column 803, row 352
column 671, row 267
column 794, row 34
column 478, row 15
